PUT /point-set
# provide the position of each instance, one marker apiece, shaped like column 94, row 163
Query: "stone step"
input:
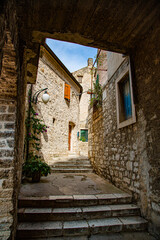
column 69, row 159
column 81, row 163
column 74, row 200
column 76, row 213
column 71, row 166
column 71, row 170
column 132, row 235
column 46, row 229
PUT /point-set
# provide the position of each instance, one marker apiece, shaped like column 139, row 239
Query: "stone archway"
column 113, row 25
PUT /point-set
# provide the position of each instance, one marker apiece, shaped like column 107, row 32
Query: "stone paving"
column 68, row 184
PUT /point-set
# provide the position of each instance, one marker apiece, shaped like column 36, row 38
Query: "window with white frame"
column 124, row 99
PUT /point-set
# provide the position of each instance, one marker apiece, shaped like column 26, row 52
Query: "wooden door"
column 69, row 137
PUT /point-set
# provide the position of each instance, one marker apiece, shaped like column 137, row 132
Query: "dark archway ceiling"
column 115, row 25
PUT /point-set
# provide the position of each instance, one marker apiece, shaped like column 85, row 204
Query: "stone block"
column 127, row 180
column 129, row 166
column 6, row 206
column 6, row 173
column 133, row 223
column 2, row 143
column 117, row 157
column 7, row 134
column 73, row 228
column 11, row 143
column 136, row 184
column 135, row 164
column 132, row 155
column 7, row 183
column 11, row 109
column 6, row 193
column 9, row 125
column 6, row 162
column 5, row 235
column 3, row 109
column 7, row 117
column 105, row 225
column 6, row 153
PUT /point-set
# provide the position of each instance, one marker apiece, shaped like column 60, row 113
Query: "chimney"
column 90, row 62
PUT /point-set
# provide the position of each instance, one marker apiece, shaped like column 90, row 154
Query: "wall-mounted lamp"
column 45, row 97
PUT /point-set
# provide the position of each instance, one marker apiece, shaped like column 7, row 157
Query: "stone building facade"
column 85, row 77
column 117, row 145
column 61, row 115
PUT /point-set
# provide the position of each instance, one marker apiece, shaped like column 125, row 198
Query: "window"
column 67, row 90
column 124, row 100
column 79, row 78
column 84, row 135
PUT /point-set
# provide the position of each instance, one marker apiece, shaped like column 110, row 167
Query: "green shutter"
column 84, row 135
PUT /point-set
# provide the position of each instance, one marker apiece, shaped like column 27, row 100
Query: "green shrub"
column 35, row 165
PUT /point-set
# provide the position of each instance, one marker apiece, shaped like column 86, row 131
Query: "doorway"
column 69, row 137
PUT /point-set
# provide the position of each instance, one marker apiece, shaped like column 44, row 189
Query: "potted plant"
column 34, row 167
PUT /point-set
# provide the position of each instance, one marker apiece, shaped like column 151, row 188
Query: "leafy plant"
column 34, row 165
column 35, row 126
column 83, row 139
column 97, row 96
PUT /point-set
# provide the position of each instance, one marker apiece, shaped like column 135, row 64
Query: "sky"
column 73, row 56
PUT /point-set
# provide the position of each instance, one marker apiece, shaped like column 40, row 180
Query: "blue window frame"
column 127, row 98
column 125, row 105
column 126, row 114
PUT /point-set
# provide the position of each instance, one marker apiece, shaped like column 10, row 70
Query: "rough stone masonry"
column 133, row 29
column 129, row 156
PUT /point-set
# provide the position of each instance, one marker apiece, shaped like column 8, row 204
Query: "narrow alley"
column 75, row 203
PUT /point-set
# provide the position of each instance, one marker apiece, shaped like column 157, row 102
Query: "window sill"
column 126, row 122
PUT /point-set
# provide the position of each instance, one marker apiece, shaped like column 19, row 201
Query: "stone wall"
column 148, row 91
column 58, row 113
column 11, row 119
column 119, row 163
column 7, row 162
column 96, row 140
column 129, row 157
column 84, row 75
column 8, row 106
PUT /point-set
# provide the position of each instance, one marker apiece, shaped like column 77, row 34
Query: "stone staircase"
column 77, row 215
column 71, row 164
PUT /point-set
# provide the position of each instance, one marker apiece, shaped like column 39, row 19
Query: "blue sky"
column 73, row 56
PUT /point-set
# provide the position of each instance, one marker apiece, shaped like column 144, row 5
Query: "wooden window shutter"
column 67, row 90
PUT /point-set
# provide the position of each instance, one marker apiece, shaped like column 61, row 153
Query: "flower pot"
column 36, row 177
